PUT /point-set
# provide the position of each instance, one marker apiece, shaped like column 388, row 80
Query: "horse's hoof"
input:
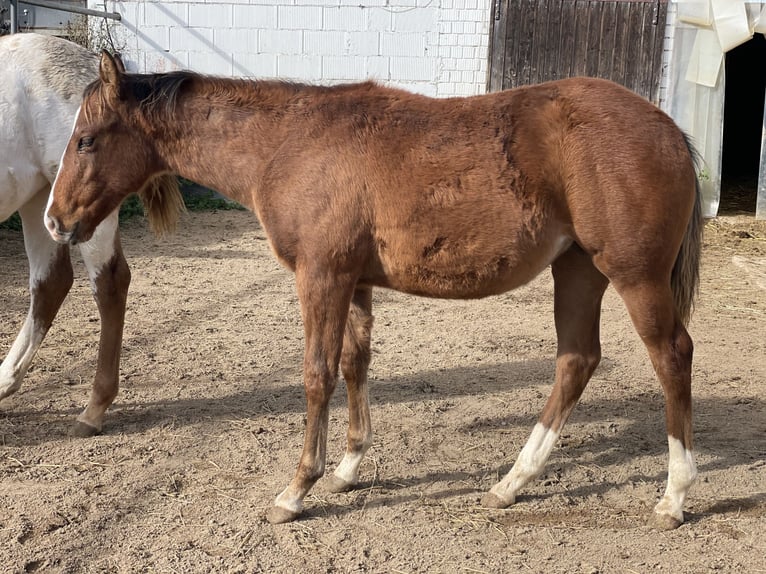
column 8, row 387
column 83, row 430
column 279, row 515
column 664, row 522
column 336, row 484
column 491, row 500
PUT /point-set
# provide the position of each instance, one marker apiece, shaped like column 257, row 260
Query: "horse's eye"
column 85, row 143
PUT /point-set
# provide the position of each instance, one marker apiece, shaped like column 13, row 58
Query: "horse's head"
column 109, row 156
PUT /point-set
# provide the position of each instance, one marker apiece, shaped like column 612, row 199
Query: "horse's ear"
column 118, row 62
column 109, row 70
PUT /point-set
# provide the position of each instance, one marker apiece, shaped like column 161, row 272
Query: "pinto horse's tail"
column 684, row 279
column 163, row 203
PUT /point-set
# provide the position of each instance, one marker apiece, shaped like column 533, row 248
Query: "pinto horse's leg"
column 109, row 278
column 50, row 278
column 656, row 320
column 325, row 300
column 578, row 290
column 354, row 361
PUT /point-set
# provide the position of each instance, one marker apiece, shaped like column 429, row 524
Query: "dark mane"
column 157, row 94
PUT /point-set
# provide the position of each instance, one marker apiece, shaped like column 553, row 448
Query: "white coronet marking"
column 681, row 474
column 348, row 469
column 529, row 464
column 289, row 501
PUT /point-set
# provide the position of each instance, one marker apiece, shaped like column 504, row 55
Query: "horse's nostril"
column 51, row 224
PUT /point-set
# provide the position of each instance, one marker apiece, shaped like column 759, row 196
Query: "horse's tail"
column 684, row 279
column 163, row 203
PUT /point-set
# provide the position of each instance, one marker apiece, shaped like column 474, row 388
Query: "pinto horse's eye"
column 85, row 143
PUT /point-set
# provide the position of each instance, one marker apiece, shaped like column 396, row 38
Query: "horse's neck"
column 223, row 146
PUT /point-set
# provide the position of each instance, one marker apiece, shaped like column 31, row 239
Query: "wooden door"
column 535, row 41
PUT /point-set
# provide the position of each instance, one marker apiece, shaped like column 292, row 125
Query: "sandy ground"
column 207, row 427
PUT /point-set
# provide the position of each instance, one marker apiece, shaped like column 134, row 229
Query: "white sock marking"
column 528, row 465
column 681, row 474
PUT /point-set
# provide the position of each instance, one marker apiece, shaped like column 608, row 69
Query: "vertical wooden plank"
column 539, row 37
column 647, row 33
column 621, row 38
column 633, row 62
column 515, row 15
column 552, row 41
column 607, row 41
column 526, row 30
column 580, row 27
column 567, row 39
column 497, row 45
column 594, row 38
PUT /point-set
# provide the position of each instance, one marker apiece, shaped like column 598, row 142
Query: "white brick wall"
column 436, row 47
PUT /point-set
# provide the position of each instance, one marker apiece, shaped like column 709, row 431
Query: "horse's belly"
column 460, row 270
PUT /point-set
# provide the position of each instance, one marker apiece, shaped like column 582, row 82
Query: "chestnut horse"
column 360, row 186
column 41, row 83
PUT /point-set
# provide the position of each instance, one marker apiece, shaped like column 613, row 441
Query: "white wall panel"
column 437, row 47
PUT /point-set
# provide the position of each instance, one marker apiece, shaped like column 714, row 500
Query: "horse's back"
column 492, row 189
column 41, row 83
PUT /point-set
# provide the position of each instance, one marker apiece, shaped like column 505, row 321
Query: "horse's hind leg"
column 354, row 361
column 109, row 279
column 50, row 278
column 579, row 288
column 654, row 315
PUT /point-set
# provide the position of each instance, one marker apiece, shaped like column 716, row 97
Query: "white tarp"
column 760, row 22
column 705, row 60
column 730, row 23
column 705, row 30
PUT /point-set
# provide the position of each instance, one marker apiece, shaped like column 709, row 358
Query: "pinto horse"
column 361, row 186
column 42, row 79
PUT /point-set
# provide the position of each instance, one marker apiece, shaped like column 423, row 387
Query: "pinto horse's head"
column 110, row 155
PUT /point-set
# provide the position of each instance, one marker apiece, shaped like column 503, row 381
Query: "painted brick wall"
column 435, row 47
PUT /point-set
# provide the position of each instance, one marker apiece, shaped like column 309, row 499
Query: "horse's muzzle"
column 54, row 228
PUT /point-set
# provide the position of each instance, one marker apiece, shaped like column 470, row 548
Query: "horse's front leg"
column 50, row 278
column 324, row 304
column 109, row 279
column 354, row 361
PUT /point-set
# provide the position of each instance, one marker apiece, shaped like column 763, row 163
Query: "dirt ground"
column 207, row 427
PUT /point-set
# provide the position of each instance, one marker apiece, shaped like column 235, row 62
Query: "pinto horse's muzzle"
column 58, row 234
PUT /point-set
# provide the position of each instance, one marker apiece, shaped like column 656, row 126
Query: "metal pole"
column 64, row 8
column 14, row 16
